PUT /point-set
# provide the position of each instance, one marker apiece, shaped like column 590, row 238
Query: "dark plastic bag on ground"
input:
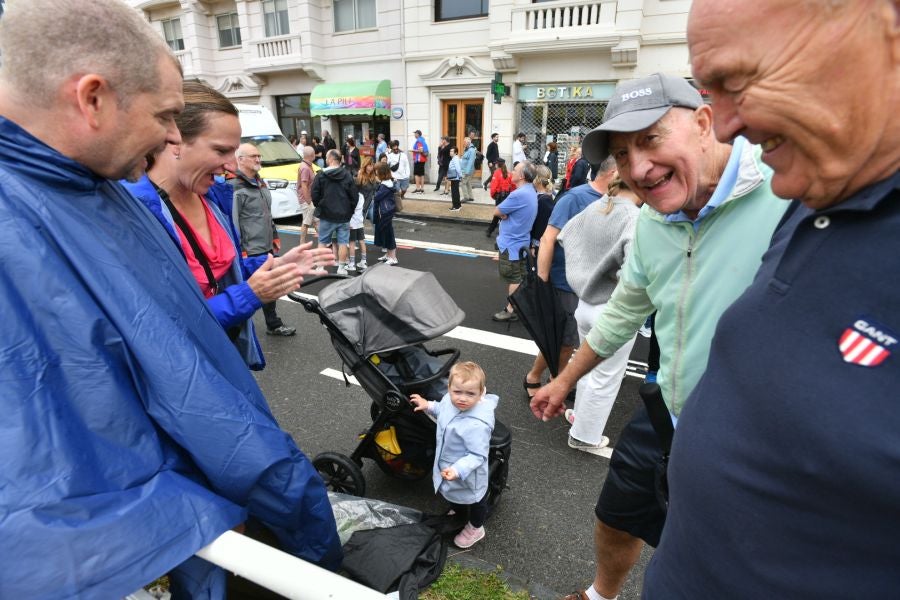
column 406, row 557
column 390, row 547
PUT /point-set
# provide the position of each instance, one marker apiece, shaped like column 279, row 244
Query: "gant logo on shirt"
column 866, row 343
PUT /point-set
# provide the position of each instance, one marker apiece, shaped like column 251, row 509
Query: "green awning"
column 357, row 98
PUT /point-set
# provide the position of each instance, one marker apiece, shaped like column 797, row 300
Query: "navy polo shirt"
column 785, row 470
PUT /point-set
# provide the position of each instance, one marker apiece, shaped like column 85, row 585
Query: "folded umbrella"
column 538, row 309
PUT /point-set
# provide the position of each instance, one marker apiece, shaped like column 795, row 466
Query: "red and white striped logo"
column 866, row 343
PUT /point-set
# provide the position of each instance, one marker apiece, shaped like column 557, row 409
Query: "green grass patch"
column 456, row 583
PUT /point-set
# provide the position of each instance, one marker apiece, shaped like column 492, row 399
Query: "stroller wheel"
column 340, row 474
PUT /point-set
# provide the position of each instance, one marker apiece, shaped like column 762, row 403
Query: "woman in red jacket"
column 501, row 186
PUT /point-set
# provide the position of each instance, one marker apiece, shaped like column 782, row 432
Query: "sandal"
column 530, row 386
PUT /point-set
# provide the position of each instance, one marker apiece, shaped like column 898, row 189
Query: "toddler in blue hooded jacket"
column 465, row 420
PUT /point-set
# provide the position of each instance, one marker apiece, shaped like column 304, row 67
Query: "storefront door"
column 459, row 118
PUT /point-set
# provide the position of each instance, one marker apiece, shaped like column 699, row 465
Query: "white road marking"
column 336, row 374
column 494, row 340
column 448, row 247
column 405, row 220
column 292, row 229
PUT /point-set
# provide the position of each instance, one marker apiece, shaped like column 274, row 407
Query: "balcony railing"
column 187, row 62
column 565, row 24
column 274, row 53
column 565, row 15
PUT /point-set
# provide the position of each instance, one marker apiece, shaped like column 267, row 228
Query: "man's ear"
column 704, row 118
column 95, row 98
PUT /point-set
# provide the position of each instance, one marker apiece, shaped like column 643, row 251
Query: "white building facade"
column 440, row 58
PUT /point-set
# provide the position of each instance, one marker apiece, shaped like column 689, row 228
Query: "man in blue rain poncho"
column 132, row 432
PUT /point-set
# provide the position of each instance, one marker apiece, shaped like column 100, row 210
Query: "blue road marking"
column 452, row 253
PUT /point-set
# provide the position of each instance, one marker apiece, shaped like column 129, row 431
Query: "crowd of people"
column 131, row 398
column 355, row 185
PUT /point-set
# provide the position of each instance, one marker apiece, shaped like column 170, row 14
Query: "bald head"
column 309, row 153
column 818, row 91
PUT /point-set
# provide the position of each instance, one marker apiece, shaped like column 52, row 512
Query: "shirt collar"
column 722, row 191
column 869, row 197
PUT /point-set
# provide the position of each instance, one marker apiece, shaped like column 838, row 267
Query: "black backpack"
column 479, row 159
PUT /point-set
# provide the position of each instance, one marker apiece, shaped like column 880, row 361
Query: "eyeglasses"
column 252, row 156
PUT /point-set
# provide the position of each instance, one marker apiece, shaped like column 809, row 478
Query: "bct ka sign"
column 565, row 92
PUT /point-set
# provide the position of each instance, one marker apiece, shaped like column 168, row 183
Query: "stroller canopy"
column 388, row 308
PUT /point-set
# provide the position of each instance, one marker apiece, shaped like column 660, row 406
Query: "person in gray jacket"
column 252, row 216
column 465, row 420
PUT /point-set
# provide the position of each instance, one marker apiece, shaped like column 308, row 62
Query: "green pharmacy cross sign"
column 498, row 88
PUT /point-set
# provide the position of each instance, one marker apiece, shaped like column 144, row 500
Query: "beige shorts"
column 308, row 212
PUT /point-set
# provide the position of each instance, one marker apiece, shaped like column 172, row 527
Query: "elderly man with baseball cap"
column 708, row 216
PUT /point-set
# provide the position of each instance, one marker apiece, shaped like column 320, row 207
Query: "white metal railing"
column 282, row 46
column 281, row 572
column 570, row 15
column 278, row 571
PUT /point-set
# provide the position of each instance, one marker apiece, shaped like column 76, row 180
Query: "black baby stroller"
column 378, row 324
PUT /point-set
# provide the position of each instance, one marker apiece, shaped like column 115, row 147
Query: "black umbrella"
column 538, row 309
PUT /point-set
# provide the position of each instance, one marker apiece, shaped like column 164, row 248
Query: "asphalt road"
column 541, row 531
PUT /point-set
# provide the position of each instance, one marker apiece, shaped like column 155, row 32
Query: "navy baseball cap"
column 635, row 105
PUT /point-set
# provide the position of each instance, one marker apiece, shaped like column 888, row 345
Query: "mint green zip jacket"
column 689, row 278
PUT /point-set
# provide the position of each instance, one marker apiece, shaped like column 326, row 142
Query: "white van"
column 280, row 160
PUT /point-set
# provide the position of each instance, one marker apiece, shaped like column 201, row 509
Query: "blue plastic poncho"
column 132, row 432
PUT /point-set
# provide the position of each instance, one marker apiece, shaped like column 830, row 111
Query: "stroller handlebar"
column 309, row 304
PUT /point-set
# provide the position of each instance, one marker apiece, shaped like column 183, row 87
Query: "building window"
column 276, row 17
column 447, row 10
column 172, row 33
column 294, row 117
column 354, row 14
column 229, row 30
